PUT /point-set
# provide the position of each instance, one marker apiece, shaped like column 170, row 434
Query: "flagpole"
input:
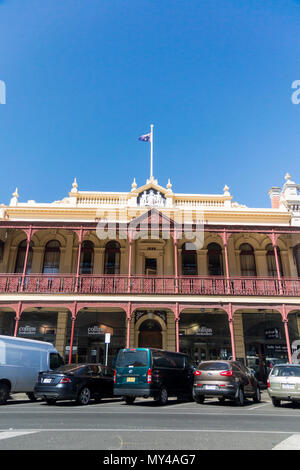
column 151, row 152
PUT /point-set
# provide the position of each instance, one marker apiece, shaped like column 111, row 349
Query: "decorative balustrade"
column 152, row 285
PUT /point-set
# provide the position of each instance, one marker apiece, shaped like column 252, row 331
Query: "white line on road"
column 291, row 443
column 10, row 434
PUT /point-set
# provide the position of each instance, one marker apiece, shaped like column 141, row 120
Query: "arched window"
column 1, row 250
column 112, row 258
column 247, row 259
column 214, row 258
column 271, row 261
column 87, row 258
column 51, row 257
column 296, row 251
column 19, row 267
column 189, row 260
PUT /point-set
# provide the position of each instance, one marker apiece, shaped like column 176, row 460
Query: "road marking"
column 291, row 443
column 256, row 407
column 10, row 434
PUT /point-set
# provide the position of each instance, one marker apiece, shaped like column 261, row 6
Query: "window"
column 189, row 260
column 214, row 366
column 1, row 250
column 19, row 267
column 56, row 361
column 247, row 258
column 51, row 257
column 215, row 264
column 271, row 261
column 150, row 266
column 87, row 258
column 132, row 358
column 112, row 258
column 296, row 252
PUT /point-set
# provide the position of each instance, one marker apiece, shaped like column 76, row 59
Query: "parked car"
column 21, row 360
column 225, row 380
column 284, row 383
column 79, row 382
column 148, row 372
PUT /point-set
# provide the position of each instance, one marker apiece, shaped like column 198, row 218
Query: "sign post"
column 107, row 341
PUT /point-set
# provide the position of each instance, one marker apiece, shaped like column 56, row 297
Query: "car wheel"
column 84, row 396
column 4, row 393
column 199, row 399
column 276, row 402
column 257, row 396
column 50, row 401
column 31, row 396
column 239, row 398
column 162, row 396
column 129, row 400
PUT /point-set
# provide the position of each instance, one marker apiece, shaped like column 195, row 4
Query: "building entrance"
column 150, row 335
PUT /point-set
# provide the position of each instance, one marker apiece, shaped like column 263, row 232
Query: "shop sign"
column 204, row 331
column 27, row 330
column 95, row 330
column 276, row 348
column 272, row 333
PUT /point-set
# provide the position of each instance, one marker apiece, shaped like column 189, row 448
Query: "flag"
column 145, row 138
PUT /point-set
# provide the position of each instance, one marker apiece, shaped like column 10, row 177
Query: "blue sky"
column 85, row 78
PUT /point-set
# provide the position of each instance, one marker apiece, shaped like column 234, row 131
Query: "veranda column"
column 80, row 237
column 130, row 262
column 29, row 234
column 177, row 326
column 73, row 317
column 230, row 321
column 128, row 315
column 176, row 261
column 274, row 243
column 225, row 237
column 287, row 336
column 18, row 316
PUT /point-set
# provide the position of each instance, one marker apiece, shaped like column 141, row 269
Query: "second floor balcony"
column 148, row 285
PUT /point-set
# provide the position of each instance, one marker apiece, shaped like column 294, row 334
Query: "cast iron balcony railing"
column 154, row 285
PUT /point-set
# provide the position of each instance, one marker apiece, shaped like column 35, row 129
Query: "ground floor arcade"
column 258, row 335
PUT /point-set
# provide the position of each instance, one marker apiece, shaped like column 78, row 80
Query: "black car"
column 79, row 382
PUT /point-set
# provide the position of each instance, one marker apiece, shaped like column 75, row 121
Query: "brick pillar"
column 239, row 336
column 61, row 332
column 171, row 332
column 274, row 194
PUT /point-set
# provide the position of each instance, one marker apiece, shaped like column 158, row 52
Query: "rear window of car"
column 285, row 371
column 167, row 360
column 214, row 366
column 132, row 358
column 72, row 369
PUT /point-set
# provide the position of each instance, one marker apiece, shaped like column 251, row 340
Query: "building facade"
column 197, row 273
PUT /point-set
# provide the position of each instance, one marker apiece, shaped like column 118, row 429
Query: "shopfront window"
column 7, row 323
column 38, row 325
column 205, row 336
column 265, row 341
column 89, row 336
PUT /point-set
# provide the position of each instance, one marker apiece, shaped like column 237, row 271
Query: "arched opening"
column 296, row 252
column 51, row 257
column 247, row 259
column 189, row 260
column 215, row 263
column 150, row 334
column 112, row 258
column 20, row 260
column 271, row 261
column 87, row 257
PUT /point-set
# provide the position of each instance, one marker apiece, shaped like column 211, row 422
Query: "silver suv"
column 284, row 383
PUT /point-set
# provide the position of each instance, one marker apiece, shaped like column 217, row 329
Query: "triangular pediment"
column 153, row 218
column 153, row 186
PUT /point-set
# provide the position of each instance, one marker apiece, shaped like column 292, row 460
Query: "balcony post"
column 73, row 317
column 230, row 321
column 18, row 316
column 274, row 243
column 174, row 235
column 80, row 237
column 130, row 261
column 128, row 315
column 286, row 330
column 177, row 317
column 225, row 235
column 29, row 235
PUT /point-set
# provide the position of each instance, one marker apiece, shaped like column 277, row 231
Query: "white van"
column 21, row 361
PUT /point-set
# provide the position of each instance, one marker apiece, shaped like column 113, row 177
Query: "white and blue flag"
column 145, row 138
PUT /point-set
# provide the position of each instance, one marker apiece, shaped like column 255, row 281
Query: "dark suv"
column 225, row 379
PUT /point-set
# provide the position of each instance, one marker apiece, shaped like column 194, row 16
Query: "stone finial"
column 14, row 199
column 134, row 185
column 169, row 185
column 226, row 190
column 74, row 186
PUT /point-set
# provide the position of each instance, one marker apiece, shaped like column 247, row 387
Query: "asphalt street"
column 113, row 425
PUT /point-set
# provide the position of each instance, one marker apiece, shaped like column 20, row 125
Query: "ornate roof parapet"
column 15, row 199
column 290, row 198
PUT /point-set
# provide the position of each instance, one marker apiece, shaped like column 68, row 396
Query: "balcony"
column 148, row 285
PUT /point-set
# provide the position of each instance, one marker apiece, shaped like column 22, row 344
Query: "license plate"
column 130, row 379
column 47, row 381
column 288, row 386
column 210, row 387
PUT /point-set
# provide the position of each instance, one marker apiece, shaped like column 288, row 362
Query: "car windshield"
column 71, row 369
column 286, row 371
column 213, row 366
column 132, row 358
